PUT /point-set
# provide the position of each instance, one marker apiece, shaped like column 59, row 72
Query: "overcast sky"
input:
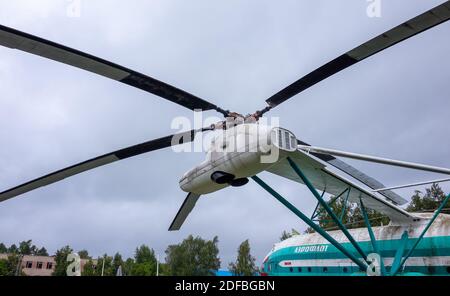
column 235, row 54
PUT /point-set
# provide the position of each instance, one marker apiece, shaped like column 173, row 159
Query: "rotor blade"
column 32, row 44
column 358, row 175
column 184, row 211
column 405, row 164
column 367, row 180
column 108, row 158
column 421, row 23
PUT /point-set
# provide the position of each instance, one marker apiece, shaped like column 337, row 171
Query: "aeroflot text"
column 307, row 249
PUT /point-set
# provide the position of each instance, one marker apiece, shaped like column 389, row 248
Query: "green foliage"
column 193, row 257
column 4, row 267
column 105, row 265
column 144, row 262
column 117, row 262
column 61, row 261
column 203, row 259
column 8, row 267
column 128, row 266
column 144, row 269
column 25, row 248
column 352, row 216
column 13, row 249
column 429, row 201
column 285, row 235
column 163, row 269
column 111, row 264
column 245, row 262
column 89, row 268
column 144, row 254
column 41, row 252
column 84, row 254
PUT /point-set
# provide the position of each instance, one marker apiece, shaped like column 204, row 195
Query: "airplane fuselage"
column 311, row 254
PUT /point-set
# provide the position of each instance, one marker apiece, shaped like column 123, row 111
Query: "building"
column 39, row 265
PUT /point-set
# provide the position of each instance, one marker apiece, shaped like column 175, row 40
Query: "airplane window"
column 299, row 269
column 291, row 269
column 345, row 269
column 309, row 269
column 325, row 269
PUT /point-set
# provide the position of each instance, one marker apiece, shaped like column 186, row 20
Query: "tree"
column 193, row 257
column 117, row 262
column 61, row 261
column 89, row 268
column 245, row 262
column 84, row 254
column 430, row 201
column 350, row 214
column 144, row 262
column 128, row 266
column 144, row 254
column 353, row 217
column 25, row 247
column 105, row 266
column 8, row 267
column 163, row 269
column 109, row 269
column 13, row 249
column 4, row 267
column 3, row 249
column 42, row 252
column 285, row 235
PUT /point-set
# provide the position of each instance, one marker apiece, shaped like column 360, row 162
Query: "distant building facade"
column 39, row 265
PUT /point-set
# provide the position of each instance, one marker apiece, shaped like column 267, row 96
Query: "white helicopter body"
column 236, row 154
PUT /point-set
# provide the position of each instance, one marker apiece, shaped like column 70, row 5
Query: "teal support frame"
column 399, row 254
column 438, row 211
column 314, row 214
column 372, row 236
column 327, row 208
column 345, row 204
column 330, row 202
column 317, row 228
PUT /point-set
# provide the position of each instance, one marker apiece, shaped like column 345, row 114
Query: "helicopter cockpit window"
column 287, row 141
column 284, row 139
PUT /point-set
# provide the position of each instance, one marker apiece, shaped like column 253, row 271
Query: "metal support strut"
column 316, row 212
column 327, row 208
column 317, row 228
column 344, row 207
column 372, row 236
column 330, row 203
column 438, row 211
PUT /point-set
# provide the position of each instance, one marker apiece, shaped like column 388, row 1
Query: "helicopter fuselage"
column 236, row 154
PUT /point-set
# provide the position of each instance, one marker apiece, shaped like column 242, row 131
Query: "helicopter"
column 244, row 147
